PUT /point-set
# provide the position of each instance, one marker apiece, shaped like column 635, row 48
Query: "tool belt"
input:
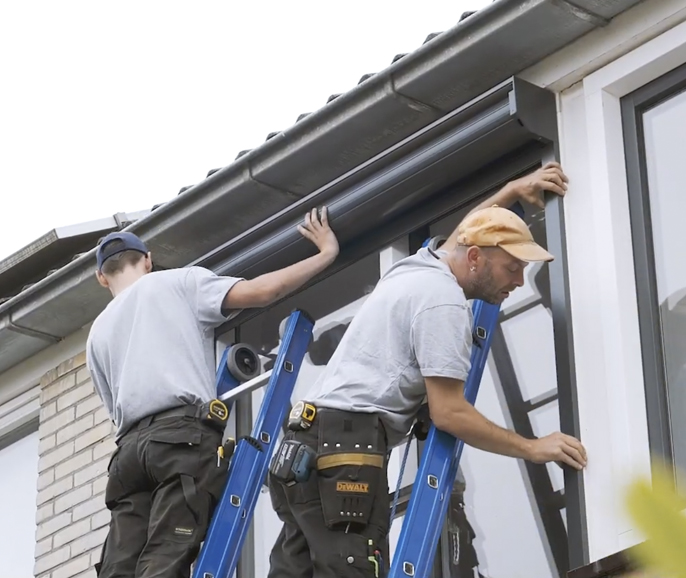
column 214, row 413
column 351, row 464
column 294, row 460
column 350, row 460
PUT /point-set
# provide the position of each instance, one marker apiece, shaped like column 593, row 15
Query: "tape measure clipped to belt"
column 214, row 412
column 302, row 416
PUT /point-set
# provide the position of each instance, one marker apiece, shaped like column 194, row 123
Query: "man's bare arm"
column 529, row 188
column 452, row 413
column 270, row 287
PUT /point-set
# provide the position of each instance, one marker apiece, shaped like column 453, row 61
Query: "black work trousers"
column 307, row 546
column 163, row 485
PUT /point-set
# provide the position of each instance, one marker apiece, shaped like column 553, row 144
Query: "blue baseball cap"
column 128, row 242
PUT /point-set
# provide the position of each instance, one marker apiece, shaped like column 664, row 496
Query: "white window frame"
column 607, row 346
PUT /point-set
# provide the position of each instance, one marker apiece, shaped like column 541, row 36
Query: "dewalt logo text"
column 357, row 487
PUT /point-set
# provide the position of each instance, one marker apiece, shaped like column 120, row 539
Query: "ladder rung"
column 540, row 400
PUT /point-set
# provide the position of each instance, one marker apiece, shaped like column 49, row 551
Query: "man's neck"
column 459, row 270
column 124, row 280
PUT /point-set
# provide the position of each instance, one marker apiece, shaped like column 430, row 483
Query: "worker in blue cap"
column 151, row 354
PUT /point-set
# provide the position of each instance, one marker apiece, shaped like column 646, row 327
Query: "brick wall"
column 75, row 447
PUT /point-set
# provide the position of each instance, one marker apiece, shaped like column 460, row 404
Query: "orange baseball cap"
column 498, row 227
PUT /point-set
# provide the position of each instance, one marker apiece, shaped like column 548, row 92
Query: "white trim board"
column 602, row 284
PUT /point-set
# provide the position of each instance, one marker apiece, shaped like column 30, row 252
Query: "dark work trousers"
column 306, row 547
column 163, row 485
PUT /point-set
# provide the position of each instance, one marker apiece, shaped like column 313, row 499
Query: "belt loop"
column 191, row 411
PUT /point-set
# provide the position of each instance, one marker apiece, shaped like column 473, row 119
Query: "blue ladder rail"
column 426, row 511
column 231, row 520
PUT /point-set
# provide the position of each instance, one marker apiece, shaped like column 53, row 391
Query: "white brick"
column 44, row 512
column 46, row 478
column 74, row 429
column 55, row 456
column 47, row 443
column 72, row 568
column 47, row 411
column 56, row 422
column 63, row 368
column 95, row 436
column 78, row 360
column 80, row 494
column 95, row 504
column 56, row 489
column 83, row 375
column 99, row 485
column 43, row 547
column 96, row 555
column 101, row 415
column 57, row 388
column 71, row 532
column 87, row 574
column 92, row 472
column 51, row 560
column 74, row 396
column 73, row 464
column 106, row 447
column 88, row 405
column 92, row 540
column 53, row 525
column 102, row 518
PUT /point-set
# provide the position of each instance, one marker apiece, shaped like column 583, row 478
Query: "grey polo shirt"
column 152, row 348
column 416, row 323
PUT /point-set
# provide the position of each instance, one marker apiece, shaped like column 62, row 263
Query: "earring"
column 472, row 268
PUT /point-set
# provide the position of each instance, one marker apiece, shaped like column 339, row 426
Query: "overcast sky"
column 109, row 107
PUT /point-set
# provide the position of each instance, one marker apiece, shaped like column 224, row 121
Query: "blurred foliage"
column 656, row 509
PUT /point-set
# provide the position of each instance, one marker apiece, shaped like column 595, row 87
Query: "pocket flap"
column 177, row 436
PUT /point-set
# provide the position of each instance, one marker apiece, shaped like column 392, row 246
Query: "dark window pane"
column 663, row 133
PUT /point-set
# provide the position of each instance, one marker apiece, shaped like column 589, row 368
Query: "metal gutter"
column 506, row 118
column 441, row 168
column 329, row 150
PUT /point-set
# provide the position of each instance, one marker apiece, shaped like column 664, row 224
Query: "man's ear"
column 148, row 262
column 102, row 280
column 474, row 255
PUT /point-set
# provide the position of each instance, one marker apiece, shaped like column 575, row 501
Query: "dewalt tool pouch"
column 350, row 465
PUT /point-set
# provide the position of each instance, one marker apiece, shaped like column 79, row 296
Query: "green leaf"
column 656, row 511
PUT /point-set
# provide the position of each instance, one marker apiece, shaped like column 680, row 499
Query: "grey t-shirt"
column 416, row 323
column 152, row 348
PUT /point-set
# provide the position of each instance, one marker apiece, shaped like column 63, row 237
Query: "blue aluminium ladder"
column 416, row 548
column 231, row 520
